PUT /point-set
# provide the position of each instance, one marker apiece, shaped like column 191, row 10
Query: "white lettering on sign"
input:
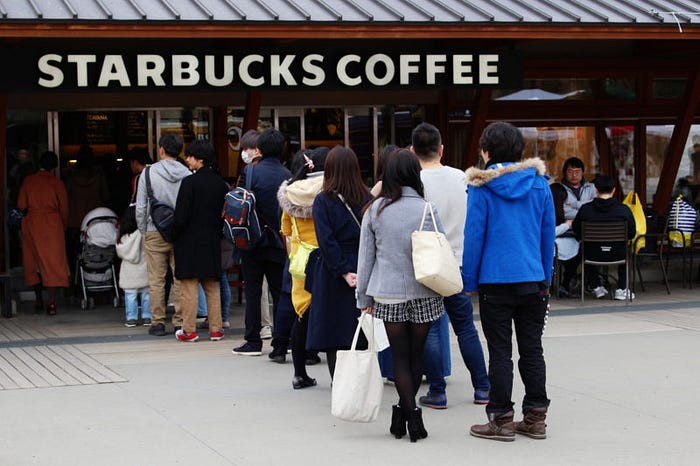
column 150, row 67
column 47, row 68
column 274, row 70
column 113, row 69
column 210, row 71
column 185, row 70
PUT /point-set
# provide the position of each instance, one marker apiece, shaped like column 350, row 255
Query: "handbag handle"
column 371, row 345
column 347, row 206
column 432, row 216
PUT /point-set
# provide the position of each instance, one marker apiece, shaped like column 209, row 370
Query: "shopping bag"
column 357, row 383
column 381, row 340
column 434, row 262
column 681, row 223
column 298, row 261
column 632, row 201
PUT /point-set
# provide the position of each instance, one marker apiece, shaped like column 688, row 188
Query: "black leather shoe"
column 278, row 355
column 303, row 382
column 157, row 330
column 311, row 358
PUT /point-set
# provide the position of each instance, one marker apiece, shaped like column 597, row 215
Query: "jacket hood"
column 508, row 180
column 605, row 205
column 171, row 170
column 297, row 199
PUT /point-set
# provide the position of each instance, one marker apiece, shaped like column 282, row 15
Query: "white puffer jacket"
column 133, row 273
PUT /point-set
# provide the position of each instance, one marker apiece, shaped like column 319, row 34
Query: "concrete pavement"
column 623, row 381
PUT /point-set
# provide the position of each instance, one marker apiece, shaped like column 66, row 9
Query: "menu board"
column 137, row 127
column 99, row 127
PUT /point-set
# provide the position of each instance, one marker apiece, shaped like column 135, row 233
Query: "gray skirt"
column 418, row 311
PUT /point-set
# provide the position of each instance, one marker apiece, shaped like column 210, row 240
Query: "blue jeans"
column 225, row 296
column 131, row 302
column 461, row 313
column 201, row 303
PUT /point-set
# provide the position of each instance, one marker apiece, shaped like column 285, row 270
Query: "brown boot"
column 533, row 424
column 498, row 428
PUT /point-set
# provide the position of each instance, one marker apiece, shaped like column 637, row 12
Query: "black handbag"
column 162, row 214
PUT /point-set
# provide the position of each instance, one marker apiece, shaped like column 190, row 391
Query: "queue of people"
column 501, row 223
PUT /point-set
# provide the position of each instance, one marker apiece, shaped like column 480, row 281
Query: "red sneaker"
column 184, row 336
column 216, row 336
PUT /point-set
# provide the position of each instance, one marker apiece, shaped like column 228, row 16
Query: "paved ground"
column 623, row 382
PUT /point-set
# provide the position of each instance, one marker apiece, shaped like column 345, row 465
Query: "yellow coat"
column 297, row 202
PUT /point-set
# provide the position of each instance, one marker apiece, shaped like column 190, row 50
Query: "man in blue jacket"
column 508, row 257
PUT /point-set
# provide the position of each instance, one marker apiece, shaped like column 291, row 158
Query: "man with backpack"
column 267, row 257
column 164, row 177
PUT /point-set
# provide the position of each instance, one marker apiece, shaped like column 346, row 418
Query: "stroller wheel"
column 83, row 304
column 116, row 301
column 91, row 302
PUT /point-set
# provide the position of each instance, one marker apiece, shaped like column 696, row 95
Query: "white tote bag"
column 357, row 383
column 434, row 260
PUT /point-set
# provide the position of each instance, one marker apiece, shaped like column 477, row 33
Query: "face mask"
column 246, row 156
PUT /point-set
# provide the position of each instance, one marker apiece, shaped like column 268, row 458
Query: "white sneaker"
column 226, row 324
column 621, row 294
column 600, row 291
column 266, row 333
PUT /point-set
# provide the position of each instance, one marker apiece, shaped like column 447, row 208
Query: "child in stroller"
column 95, row 264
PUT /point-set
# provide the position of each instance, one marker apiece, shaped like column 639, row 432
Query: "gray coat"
column 385, row 267
column 573, row 204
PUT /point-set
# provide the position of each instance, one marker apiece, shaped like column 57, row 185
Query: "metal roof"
column 673, row 13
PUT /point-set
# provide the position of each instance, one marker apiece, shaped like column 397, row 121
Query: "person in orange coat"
column 44, row 199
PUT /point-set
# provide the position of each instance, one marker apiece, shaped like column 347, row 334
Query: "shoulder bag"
column 162, row 214
column 298, row 261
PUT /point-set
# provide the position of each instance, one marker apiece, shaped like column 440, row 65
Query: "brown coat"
column 44, row 198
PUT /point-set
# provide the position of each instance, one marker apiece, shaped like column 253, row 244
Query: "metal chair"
column 655, row 245
column 604, row 235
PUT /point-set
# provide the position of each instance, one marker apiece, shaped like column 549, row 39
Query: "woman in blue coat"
column 334, row 313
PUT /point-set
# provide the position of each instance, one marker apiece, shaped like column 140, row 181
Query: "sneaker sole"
column 129, row 325
column 247, row 353
column 499, row 438
column 481, row 402
column 216, row 338
column 189, row 340
column 432, row 406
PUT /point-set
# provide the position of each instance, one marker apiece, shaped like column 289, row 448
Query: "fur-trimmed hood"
column 521, row 176
column 297, row 199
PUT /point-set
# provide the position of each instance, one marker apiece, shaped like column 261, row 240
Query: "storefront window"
column 189, row 123
column 668, row 88
column 658, row 137
column 620, row 88
column 324, row 127
column 361, row 137
column 548, row 89
column 556, row 144
column 622, row 152
column 234, row 131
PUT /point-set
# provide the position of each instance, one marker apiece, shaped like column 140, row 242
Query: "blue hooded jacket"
column 510, row 228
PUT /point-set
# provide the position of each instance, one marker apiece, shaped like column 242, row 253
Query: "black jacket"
column 605, row 210
column 198, row 225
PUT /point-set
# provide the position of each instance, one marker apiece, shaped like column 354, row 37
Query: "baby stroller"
column 95, row 264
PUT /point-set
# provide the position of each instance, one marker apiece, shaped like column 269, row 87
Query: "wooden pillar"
column 252, row 110
column 481, row 110
column 688, row 109
column 3, row 168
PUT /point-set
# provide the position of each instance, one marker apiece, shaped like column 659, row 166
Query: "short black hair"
column 249, row 140
column 604, row 184
column 201, row 149
column 426, row 140
column 139, row 154
column 503, row 142
column 271, row 143
column 572, row 162
column 171, row 144
column 48, row 160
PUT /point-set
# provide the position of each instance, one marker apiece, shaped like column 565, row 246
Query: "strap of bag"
column 149, row 191
column 432, row 216
column 370, row 338
column 249, row 177
column 340, row 196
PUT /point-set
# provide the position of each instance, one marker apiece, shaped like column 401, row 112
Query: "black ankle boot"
column 416, row 429
column 398, row 422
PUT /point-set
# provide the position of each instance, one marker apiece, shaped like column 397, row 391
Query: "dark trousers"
column 255, row 267
column 498, row 311
column 285, row 316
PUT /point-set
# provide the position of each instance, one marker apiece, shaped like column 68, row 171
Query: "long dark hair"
column 300, row 167
column 402, row 169
column 127, row 224
column 383, row 157
column 342, row 175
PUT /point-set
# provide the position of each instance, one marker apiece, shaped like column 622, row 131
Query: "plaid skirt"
column 418, row 311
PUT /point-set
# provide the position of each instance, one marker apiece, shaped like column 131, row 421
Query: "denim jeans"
column 201, row 303
column 131, row 303
column 225, row 289
column 461, row 313
column 499, row 311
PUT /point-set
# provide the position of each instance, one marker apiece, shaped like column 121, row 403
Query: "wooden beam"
column 691, row 101
column 479, row 115
column 252, row 110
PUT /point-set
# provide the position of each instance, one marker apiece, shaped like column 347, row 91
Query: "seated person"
column 567, row 244
column 604, row 208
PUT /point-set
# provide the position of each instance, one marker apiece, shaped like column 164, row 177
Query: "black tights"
column 330, row 359
column 407, row 341
column 298, row 343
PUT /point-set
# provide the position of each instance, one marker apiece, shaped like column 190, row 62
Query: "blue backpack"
column 241, row 225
